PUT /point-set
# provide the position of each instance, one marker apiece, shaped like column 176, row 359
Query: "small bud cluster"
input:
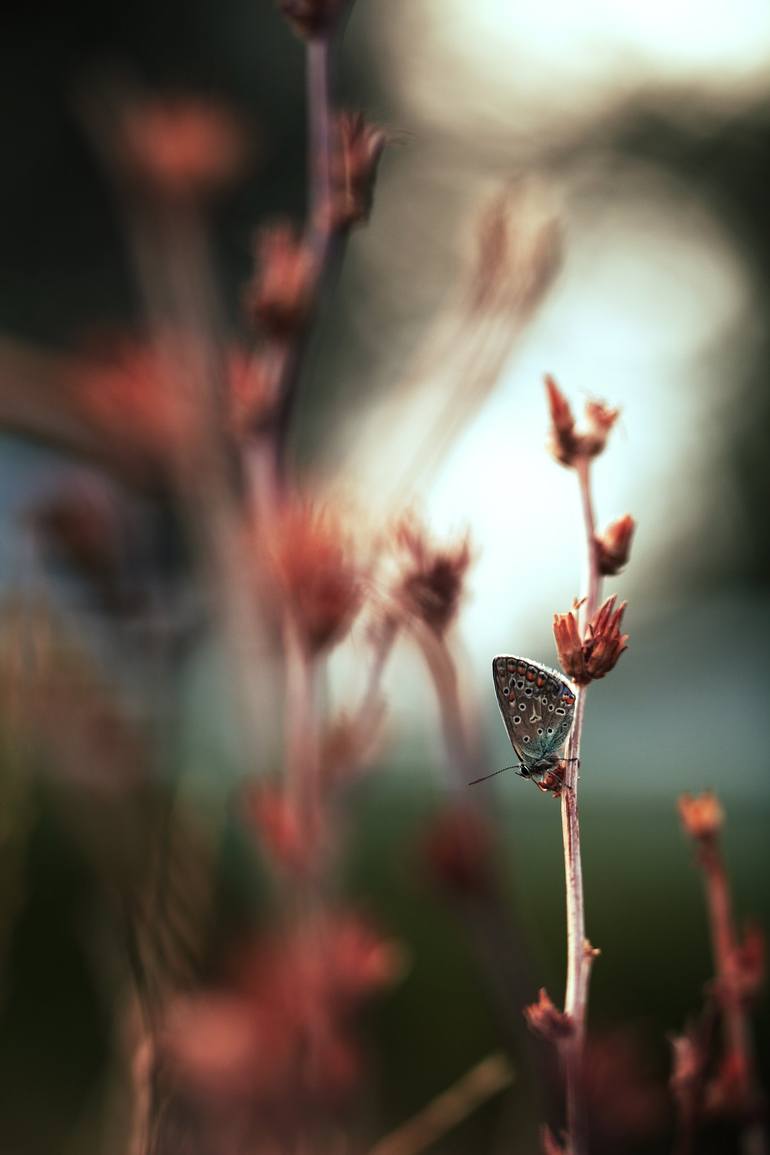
column 281, row 293
column 568, row 445
column 585, row 659
column 432, row 579
column 355, row 157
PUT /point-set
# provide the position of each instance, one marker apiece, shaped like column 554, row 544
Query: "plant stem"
column 737, row 1032
column 489, row 1077
column 579, row 951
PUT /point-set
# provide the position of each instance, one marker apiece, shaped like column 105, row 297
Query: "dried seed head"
column 319, row 578
column 614, row 545
column 180, row 149
column 701, row 815
column 432, row 579
column 567, row 444
column 280, row 294
column 584, row 660
column 358, row 149
column 313, row 19
column 545, row 1020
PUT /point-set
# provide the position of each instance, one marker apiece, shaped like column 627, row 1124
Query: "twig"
column 488, row 1078
column 739, row 1049
column 579, row 951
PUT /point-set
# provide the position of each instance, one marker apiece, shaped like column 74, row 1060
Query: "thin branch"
column 579, row 951
column 738, row 1041
column 488, row 1078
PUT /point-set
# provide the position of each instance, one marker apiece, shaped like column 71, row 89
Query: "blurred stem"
column 737, row 1031
column 326, row 242
column 319, row 117
column 443, row 671
column 579, row 951
column 489, row 1077
column 302, row 738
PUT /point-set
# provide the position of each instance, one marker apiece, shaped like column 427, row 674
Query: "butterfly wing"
column 537, row 706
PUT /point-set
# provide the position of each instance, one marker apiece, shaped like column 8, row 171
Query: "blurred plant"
column 714, row 1068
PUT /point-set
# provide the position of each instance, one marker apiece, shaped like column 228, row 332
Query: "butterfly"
column 537, row 706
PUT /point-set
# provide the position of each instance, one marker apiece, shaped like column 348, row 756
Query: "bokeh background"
column 647, row 130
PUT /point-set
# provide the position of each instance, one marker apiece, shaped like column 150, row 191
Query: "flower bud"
column 546, row 1020
column 701, row 815
column 567, row 444
column 614, row 545
column 592, row 657
column 281, row 293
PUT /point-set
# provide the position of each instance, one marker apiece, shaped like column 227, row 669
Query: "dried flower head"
column 567, row 444
column 358, row 149
column 281, row 292
column 614, row 545
column 320, row 580
column 431, row 582
column 458, row 851
column 518, row 253
column 586, row 659
column 139, row 397
column 313, row 19
column 701, row 815
column 180, row 148
column 546, row 1020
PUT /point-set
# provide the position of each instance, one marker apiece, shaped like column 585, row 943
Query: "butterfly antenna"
column 494, row 773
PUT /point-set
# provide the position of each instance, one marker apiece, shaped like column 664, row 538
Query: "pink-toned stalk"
column 702, row 818
column 580, row 954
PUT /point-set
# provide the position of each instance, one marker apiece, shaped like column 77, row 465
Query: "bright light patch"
column 525, row 65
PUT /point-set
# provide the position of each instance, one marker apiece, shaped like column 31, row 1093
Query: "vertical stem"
column 738, row 1041
column 319, row 134
column 579, row 951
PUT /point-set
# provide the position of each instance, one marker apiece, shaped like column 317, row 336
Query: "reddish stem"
column 737, row 1032
column 579, row 951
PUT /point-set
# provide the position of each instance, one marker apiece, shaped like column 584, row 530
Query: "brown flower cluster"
column 701, row 815
column 355, row 157
column 568, row 445
column 431, row 582
column 546, row 1020
column 180, row 148
column 319, row 577
column 614, row 545
column 281, row 293
column 138, row 395
column 280, row 1036
column 586, row 659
